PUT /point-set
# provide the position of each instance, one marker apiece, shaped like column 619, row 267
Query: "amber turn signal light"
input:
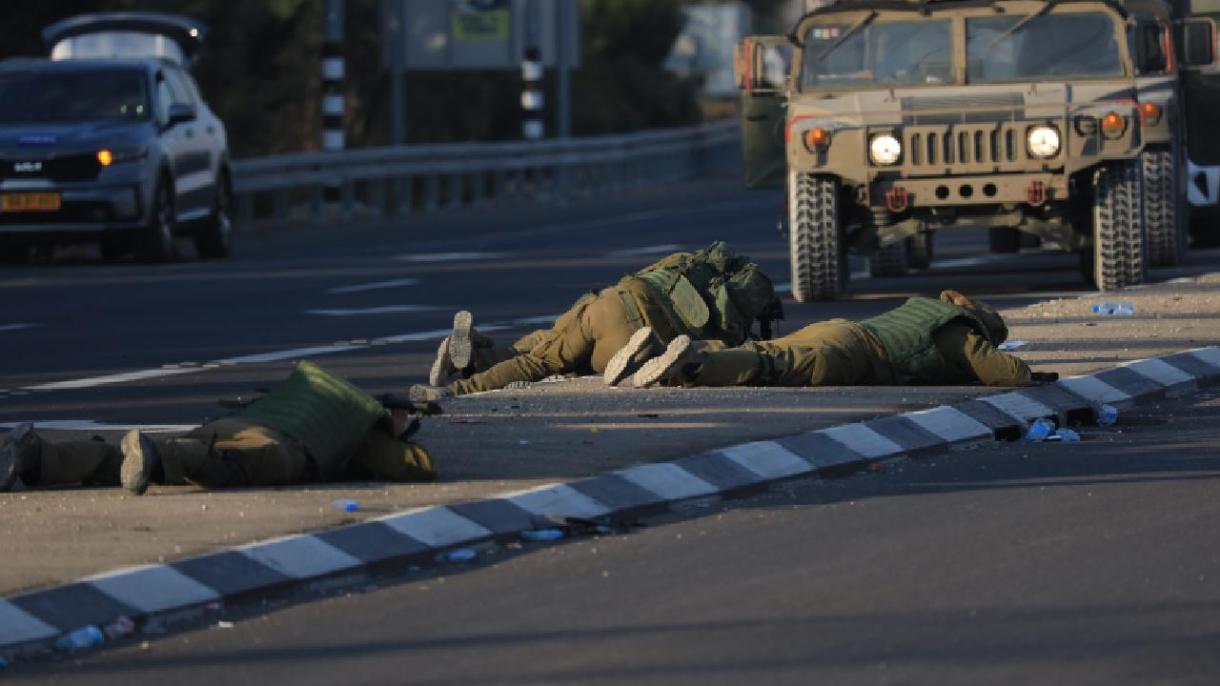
column 817, row 138
column 105, row 158
column 1151, row 112
column 1113, row 124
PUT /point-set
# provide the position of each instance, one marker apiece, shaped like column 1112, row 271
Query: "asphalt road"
column 374, row 299
column 1088, row 563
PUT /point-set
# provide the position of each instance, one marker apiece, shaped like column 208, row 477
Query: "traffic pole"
column 334, row 70
column 532, row 100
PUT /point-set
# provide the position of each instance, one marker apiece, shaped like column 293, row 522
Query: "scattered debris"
column 1039, row 430
column 224, row 625
column 537, row 535
column 1122, row 308
column 1107, row 415
column 345, row 505
column 1012, row 345
column 460, row 555
column 120, row 627
column 80, row 639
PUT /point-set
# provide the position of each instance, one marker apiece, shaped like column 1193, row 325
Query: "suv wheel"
column 891, row 260
column 214, row 239
column 816, row 250
column 1118, row 226
column 157, row 241
column 1163, row 208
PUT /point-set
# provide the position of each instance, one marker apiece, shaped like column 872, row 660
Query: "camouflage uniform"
column 311, row 427
column 711, row 294
column 924, row 341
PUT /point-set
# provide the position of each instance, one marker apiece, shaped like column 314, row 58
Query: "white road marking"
column 17, row 327
column 647, row 250
column 376, row 285
column 387, row 309
column 534, row 321
column 295, row 353
column 94, row 425
column 108, row 379
column 450, row 256
column 960, row 262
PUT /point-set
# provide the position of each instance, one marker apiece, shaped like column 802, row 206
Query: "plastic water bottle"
column 1039, row 430
column 1068, row 436
column 461, row 555
column 345, row 505
column 1121, row 308
column 80, row 639
column 1107, row 415
column 542, row 535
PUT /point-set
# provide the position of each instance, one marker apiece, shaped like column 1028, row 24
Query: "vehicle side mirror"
column 1150, row 55
column 760, row 64
column 181, row 113
column 1198, row 43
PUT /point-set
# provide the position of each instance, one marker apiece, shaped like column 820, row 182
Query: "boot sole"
column 441, row 366
column 660, row 366
column 139, row 460
column 620, row 365
column 461, row 347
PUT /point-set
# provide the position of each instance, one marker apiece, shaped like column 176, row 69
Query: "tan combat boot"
column 641, row 347
column 670, row 365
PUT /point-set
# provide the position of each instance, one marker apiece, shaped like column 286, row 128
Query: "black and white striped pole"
column 532, row 99
column 333, row 72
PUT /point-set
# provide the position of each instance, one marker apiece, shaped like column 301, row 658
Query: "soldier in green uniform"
column 950, row 340
column 311, row 427
column 709, row 294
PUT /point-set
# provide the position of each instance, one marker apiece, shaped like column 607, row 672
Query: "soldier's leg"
column 383, row 457
column 562, row 349
column 91, row 462
column 232, row 452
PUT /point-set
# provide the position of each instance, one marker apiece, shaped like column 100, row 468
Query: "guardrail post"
column 454, row 190
column 376, row 193
column 431, row 193
column 404, row 195
column 279, row 205
column 347, row 199
column 245, row 211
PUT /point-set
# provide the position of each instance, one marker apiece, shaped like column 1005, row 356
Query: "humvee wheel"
column 1118, row 226
column 1163, row 208
column 892, row 260
column 919, row 251
column 816, row 251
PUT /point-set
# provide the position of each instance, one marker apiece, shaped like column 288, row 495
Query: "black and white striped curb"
column 32, row 622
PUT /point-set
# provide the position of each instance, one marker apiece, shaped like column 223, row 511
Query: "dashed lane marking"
column 375, row 286
column 17, row 327
column 647, row 250
column 368, row 311
column 450, row 256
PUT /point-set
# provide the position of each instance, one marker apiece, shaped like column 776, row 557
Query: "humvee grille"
column 966, row 146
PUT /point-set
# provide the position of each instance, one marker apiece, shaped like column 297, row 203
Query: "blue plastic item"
column 1039, row 430
column 80, row 639
column 1122, row 308
column 461, row 555
column 542, row 535
column 1068, row 436
column 1107, row 415
column 345, row 505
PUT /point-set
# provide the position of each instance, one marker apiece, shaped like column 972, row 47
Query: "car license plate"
column 29, row 202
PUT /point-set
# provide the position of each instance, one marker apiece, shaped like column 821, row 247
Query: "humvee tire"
column 1163, row 208
column 1118, row 231
column 819, row 270
column 892, row 260
column 919, row 251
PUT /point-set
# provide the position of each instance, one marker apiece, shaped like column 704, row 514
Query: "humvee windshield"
column 877, row 53
column 1083, row 44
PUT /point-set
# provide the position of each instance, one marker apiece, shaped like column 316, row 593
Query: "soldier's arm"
column 970, row 351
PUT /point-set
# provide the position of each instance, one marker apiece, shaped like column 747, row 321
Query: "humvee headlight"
column 1043, row 142
column 884, row 150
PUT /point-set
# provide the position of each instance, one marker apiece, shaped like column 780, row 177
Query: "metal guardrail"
column 401, row 180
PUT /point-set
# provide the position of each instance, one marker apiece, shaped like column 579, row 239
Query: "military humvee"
column 898, row 119
column 1195, row 21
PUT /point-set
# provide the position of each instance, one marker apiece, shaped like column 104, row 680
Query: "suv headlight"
column 884, row 150
column 1043, row 142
